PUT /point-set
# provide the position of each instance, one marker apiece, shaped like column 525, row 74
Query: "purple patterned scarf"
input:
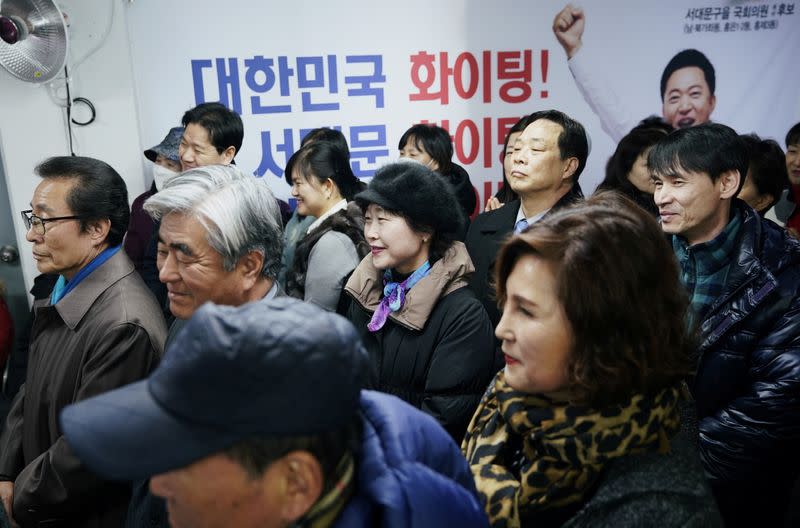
column 394, row 295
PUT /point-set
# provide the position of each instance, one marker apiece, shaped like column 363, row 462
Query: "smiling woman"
column 323, row 183
column 429, row 339
column 587, row 407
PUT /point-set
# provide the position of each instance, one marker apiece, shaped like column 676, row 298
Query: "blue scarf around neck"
column 63, row 287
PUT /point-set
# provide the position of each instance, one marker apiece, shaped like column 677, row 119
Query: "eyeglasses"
column 38, row 224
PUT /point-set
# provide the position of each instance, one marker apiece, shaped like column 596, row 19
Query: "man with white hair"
column 220, row 240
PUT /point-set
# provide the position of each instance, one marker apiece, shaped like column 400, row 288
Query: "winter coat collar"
column 74, row 306
column 341, row 205
column 447, row 275
column 500, row 219
column 761, row 255
column 715, row 254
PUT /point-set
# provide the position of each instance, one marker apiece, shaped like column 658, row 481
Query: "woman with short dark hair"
column 429, row 339
column 767, row 177
column 431, row 145
column 582, row 427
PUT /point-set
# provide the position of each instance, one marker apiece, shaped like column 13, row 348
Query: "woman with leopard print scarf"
column 582, row 427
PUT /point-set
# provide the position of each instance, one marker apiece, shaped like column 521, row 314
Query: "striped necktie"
column 521, row 225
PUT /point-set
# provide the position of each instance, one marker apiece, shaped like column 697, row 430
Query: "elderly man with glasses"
column 100, row 329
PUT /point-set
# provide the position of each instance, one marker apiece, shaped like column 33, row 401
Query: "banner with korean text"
column 372, row 69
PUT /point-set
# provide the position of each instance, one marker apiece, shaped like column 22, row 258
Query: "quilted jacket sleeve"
column 411, row 473
column 758, row 428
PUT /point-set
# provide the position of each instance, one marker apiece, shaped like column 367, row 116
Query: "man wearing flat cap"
column 165, row 165
column 140, row 244
column 256, row 418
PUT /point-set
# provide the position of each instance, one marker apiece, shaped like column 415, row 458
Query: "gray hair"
column 238, row 211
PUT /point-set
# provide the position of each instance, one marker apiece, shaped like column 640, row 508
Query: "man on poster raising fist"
column 687, row 83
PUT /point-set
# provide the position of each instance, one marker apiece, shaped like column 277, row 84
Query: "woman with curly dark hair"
column 582, row 427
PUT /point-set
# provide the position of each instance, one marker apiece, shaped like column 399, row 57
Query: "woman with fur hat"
column 429, row 339
column 323, row 183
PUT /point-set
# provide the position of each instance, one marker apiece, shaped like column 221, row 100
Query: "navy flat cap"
column 269, row 368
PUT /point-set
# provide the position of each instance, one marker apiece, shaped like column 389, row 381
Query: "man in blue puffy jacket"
column 257, row 418
column 742, row 273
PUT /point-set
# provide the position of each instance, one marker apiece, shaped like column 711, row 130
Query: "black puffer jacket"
column 747, row 386
column 436, row 352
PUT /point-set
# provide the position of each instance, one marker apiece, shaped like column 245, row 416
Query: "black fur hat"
column 417, row 193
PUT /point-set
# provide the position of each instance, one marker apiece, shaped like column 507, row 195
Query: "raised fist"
column 568, row 28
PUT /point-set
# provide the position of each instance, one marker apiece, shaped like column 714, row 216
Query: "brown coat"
column 105, row 333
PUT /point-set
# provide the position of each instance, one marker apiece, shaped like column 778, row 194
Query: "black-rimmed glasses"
column 38, row 223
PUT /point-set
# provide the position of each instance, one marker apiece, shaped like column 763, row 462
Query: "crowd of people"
column 209, row 358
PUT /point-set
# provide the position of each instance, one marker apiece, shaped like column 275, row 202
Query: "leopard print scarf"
column 563, row 447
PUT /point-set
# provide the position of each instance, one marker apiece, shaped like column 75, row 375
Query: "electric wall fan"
column 33, row 39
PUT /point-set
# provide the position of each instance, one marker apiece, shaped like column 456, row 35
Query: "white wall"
column 32, row 126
